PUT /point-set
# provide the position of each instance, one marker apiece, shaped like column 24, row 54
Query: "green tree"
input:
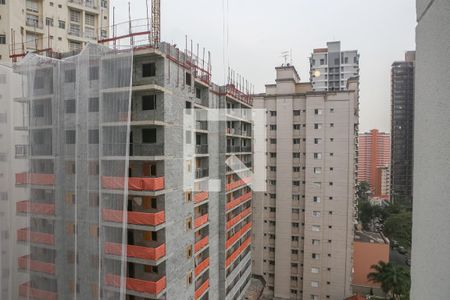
column 399, row 227
column 362, row 191
column 395, row 280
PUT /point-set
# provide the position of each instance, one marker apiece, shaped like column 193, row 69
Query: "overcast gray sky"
column 259, row 30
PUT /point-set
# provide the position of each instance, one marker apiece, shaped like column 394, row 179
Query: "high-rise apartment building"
column 402, row 126
column 430, row 238
column 374, row 156
column 130, row 196
column 330, row 67
column 49, row 26
column 303, row 223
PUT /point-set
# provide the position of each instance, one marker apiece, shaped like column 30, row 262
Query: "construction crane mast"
column 156, row 22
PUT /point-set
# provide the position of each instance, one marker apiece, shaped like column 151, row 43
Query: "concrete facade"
column 304, row 221
column 431, row 240
column 330, row 68
column 59, row 25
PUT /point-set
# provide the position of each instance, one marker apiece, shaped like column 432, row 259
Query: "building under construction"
column 129, row 195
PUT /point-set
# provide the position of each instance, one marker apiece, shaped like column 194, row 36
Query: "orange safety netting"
column 233, row 203
column 237, row 252
column 134, row 183
column 26, row 291
column 201, row 221
column 239, row 217
column 26, row 263
column 138, row 285
column 200, row 197
column 201, row 266
column 137, row 218
column 136, row 251
column 35, row 237
column 202, row 289
column 238, row 234
column 35, row 208
column 238, row 183
column 40, row 179
column 201, row 244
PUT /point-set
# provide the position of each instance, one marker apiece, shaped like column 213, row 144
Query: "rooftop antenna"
column 285, row 55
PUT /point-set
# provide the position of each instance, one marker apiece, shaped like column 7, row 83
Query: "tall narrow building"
column 402, row 127
column 374, row 159
column 49, row 27
column 330, row 67
column 303, row 223
column 129, row 192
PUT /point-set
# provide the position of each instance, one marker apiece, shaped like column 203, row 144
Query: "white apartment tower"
column 303, row 223
column 330, row 68
column 50, row 26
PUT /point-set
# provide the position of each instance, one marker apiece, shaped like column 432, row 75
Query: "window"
column 93, row 105
column 104, row 33
column 296, row 141
column 296, row 126
column 317, row 155
column 296, row 183
column 70, row 106
column 273, row 127
column 316, row 213
column 296, row 155
column 273, row 113
column 331, row 125
column 104, row 3
column 62, row 24
column 75, row 16
column 273, row 155
column 316, row 242
column 316, row 199
column 273, row 141
column 315, row 256
column 296, row 112
column 2, row 38
column 188, row 223
column 317, row 141
column 189, row 251
column 315, row 270
column 318, row 112
column 149, row 136
column 89, row 20
column 93, row 73
column 38, row 110
column 3, row 2
column 69, row 75
column 70, row 137
column 149, row 102
column 317, row 126
column 322, row 61
column 315, row 228
column 49, row 21
column 315, row 284
column 149, row 70
column 317, row 170
column 188, row 79
column 296, row 169
column 273, row 169
column 93, row 137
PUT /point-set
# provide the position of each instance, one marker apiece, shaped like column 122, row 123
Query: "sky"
column 250, row 36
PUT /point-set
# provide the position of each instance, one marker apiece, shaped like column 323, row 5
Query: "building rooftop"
column 370, row 237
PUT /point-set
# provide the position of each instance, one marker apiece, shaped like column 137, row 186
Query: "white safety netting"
column 79, row 129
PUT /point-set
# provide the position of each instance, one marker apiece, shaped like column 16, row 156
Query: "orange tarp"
column 239, row 217
column 35, row 208
column 136, row 251
column 26, row 263
column 238, row 183
column 201, row 290
column 137, row 218
column 201, row 244
column 134, row 183
column 40, row 179
column 201, row 266
column 25, row 290
column 238, row 234
column 35, row 237
column 200, row 197
column 237, row 252
column 138, row 285
column 233, row 203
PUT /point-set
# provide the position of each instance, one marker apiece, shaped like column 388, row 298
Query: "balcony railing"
column 201, row 266
column 241, row 199
column 201, row 290
column 202, row 220
column 201, row 244
column 201, row 149
column 35, row 208
column 25, row 235
column 237, row 252
column 138, row 285
column 141, row 252
column 134, row 149
column 136, row 218
column 201, row 173
column 26, row 263
column 28, row 292
column 134, row 183
column 238, row 183
column 238, row 218
column 32, row 178
column 200, row 197
column 34, row 23
column 21, row 151
column 238, row 234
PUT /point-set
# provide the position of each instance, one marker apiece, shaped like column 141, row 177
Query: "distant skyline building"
column 374, row 159
column 303, row 223
column 402, row 126
column 330, row 67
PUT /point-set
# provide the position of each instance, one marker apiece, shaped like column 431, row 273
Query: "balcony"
column 238, row 218
column 153, row 287
column 140, row 252
column 201, row 244
column 201, row 173
column 26, row 291
column 34, row 23
column 37, row 179
column 238, row 183
column 134, row 149
column 201, row 290
column 135, row 218
column 236, row 202
column 201, row 149
column 134, row 183
column 200, row 197
column 202, row 220
column 238, row 235
column 35, row 208
column 237, row 252
column 201, row 266
column 25, row 235
column 26, row 263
